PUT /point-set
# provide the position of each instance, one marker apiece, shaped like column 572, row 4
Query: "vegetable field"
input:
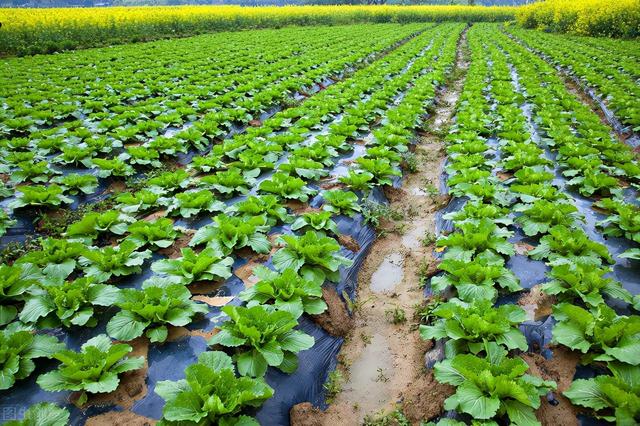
column 429, row 223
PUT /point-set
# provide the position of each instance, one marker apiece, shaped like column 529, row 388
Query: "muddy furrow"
column 382, row 361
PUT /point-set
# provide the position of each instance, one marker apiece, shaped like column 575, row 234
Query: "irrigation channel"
column 445, row 118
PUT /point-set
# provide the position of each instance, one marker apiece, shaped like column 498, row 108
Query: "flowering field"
column 619, row 18
column 27, row 31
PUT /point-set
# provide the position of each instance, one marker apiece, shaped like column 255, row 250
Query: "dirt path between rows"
column 383, row 359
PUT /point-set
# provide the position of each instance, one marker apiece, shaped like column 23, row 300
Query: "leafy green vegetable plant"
column 18, row 349
column 94, row 224
column 153, row 308
column 95, row 369
column 600, row 334
column 470, row 326
column 57, row 257
column 104, row 263
column 586, row 282
column 539, row 217
column 476, row 238
column 228, row 182
column 614, row 398
column 211, row 393
column 565, row 246
column 208, row 265
column 287, row 291
column 358, row 180
column 318, row 221
column 267, row 205
column 190, row 203
column 141, row 201
column 42, row 414
column 476, row 279
column 341, row 202
column 314, row 256
column 262, row 338
column 75, row 183
column 158, row 234
column 493, row 386
column 40, row 196
column 15, row 281
column 287, row 186
column 68, row 303
column 228, row 233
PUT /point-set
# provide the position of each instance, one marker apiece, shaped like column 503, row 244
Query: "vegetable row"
column 499, row 163
column 268, row 167
column 142, row 116
column 612, row 74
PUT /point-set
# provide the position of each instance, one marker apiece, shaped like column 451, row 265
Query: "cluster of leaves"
column 262, row 337
column 151, row 309
column 493, row 386
column 95, row 369
column 211, row 393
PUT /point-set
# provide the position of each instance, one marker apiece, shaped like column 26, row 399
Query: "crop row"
column 612, row 73
column 248, row 182
column 514, row 121
column 123, row 131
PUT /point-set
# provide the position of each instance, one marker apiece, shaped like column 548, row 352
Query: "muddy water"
column 389, row 274
column 369, row 375
column 413, row 237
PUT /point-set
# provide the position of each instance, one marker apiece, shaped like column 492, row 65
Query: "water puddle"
column 418, row 192
column 369, row 382
column 412, row 238
column 389, row 274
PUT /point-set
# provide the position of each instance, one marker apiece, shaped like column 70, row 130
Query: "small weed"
column 424, row 311
column 409, row 162
column 366, row 338
column 373, row 212
column 354, row 306
column 333, row 386
column 381, row 376
column 428, row 239
column 412, row 211
column 395, row 418
column 395, row 315
column 431, row 189
column 400, row 228
column 15, row 249
column 55, row 225
column 424, row 273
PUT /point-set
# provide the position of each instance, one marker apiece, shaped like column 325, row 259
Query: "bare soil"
column 336, row 319
column 561, row 369
column 120, row 418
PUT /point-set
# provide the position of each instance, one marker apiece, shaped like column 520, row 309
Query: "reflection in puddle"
column 368, row 382
column 389, row 274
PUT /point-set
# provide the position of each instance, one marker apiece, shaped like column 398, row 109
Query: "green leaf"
column 296, row 341
column 586, row 393
column 126, row 326
column 158, row 334
column 187, row 406
column 251, row 364
column 473, row 401
column 108, row 382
